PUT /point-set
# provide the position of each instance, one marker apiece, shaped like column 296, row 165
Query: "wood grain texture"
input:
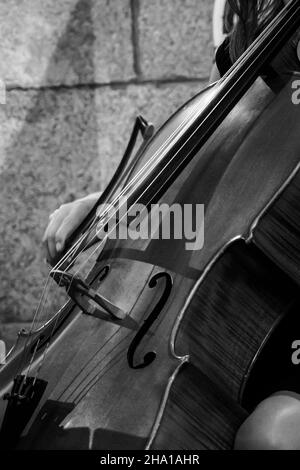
column 278, row 233
column 236, row 306
column 198, row 415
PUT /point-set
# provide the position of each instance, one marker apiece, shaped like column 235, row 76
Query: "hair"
column 252, row 17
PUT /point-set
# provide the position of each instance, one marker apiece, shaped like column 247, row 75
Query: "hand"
column 63, row 221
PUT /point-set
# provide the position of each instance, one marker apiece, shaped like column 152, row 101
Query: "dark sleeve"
column 222, row 57
column 287, row 61
column 268, row 72
column 283, row 66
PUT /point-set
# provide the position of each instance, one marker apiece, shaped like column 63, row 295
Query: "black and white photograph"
column 149, row 230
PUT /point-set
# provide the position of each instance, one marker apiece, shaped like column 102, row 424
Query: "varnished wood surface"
column 93, row 398
column 278, row 233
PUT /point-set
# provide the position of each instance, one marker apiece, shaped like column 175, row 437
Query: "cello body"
column 179, row 371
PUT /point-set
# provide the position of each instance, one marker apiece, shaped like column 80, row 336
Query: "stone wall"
column 77, row 73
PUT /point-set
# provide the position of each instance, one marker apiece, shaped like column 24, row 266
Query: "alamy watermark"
column 296, row 92
column 296, row 354
column 159, row 221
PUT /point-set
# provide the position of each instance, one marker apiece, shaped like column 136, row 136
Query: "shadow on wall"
column 51, row 158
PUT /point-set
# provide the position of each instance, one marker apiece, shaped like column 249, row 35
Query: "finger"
column 49, row 238
column 46, row 233
column 51, row 246
column 52, row 214
column 46, row 254
column 68, row 225
column 64, row 231
column 53, row 220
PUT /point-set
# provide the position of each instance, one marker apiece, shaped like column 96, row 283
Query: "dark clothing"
column 285, row 63
column 222, row 57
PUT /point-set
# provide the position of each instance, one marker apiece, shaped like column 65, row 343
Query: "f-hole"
column 150, row 356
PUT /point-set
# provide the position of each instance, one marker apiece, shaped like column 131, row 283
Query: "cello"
column 161, row 347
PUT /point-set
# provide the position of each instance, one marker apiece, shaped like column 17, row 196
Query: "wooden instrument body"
column 214, row 307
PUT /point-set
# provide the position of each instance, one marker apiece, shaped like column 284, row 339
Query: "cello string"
column 174, row 156
column 244, row 72
column 67, row 390
column 106, row 367
column 266, row 30
column 28, row 333
column 107, row 341
column 99, row 375
column 42, row 307
column 41, row 303
column 78, row 396
column 243, row 57
column 136, row 177
column 186, row 157
column 168, row 141
column 160, row 173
